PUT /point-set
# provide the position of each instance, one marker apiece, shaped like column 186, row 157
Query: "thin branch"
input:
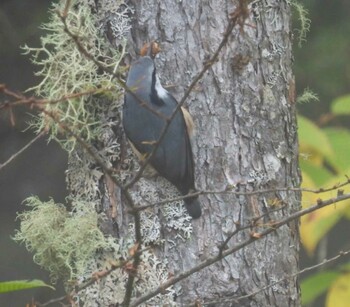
column 307, row 269
column 249, row 193
column 229, row 251
column 14, row 156
column 238, row 14
column 23, row 100
column 95, row 277
column 124, row 188
column 235, row 18
column 137, row 258
column 53, row 301
column 223, row 254
column 105, row 68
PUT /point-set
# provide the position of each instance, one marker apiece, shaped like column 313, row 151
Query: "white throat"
column 161, row 91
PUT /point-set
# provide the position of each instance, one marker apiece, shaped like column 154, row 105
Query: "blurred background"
column 40, row 169
column 322, row 64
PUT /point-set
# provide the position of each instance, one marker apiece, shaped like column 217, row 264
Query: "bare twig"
column 248, row 193
column 14, row 156
column 53, row 301
column 236, row 16
column 310, row 268
column 20, row 99
column 137, row 258
column 223, row 253
column 96, row 276
column 124, row 189
column 307, row 269
column 229, row 251
column 105, row 68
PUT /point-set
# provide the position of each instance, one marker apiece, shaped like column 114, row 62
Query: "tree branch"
column 307, row 269
column 222, row 254
column 14, row 156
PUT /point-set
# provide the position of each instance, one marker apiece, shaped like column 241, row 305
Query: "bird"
column 147, row 106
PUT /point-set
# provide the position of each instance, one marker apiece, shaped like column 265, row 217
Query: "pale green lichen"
column 110, row 290
column 307, row 96
column 303, row 19
column 63, row 242
column 66, row 70
column 69, row 244
column 153, row 190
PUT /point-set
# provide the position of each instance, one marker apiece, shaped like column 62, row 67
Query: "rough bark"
column 246, row 138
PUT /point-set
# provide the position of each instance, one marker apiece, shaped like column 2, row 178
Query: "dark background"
column 322, row 64
column 40, row 169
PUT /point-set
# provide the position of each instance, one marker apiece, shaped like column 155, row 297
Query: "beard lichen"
column 69, row 243
column 63, row 242
column 66, row 70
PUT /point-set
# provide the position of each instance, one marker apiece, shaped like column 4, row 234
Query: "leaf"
column 315, row 285
column 341, row 105
column 315, row 225
column 312, row 138
column 16, row 285
column 339, row 293
column 340, row 142
column 318, row 175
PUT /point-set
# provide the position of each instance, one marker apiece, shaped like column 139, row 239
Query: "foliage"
column 325, row 161
column 316, row 285
column 339, row 292
column 17, row 285
column 341, row 106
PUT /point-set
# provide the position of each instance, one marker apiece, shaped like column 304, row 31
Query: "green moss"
column 62, row 242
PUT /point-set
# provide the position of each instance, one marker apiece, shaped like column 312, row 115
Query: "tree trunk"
column 246, row 140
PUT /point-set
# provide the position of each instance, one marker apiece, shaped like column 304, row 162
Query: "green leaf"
column 313, row 286
column 339, row 293
column 316, row 224
column 341, row 105
column 318, row 174
column 313, row 137
column 340, row 142
column 16, row 285
column 344, row 267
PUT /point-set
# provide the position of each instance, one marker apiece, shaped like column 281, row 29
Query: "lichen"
column 62, row 242
column 303, row 19
column 153, row 190
column 307, row 96
column 69, row 243
column 110, row 290
column 65, row 70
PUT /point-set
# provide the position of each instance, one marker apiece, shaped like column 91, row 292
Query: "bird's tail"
column 193, row 207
